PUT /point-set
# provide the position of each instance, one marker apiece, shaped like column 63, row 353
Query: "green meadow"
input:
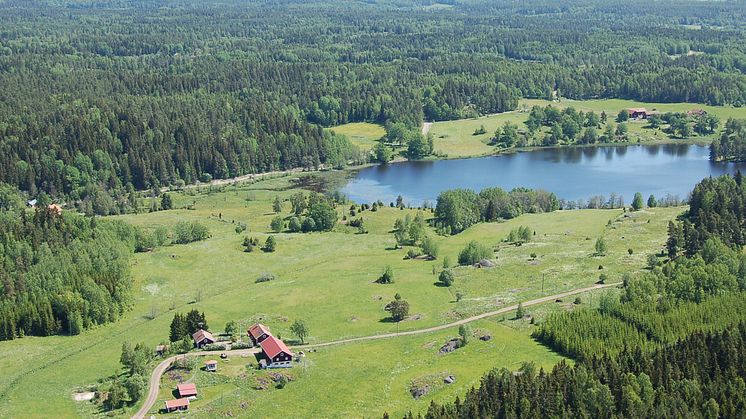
column 456, row 138
column 363, row 134
column 327, row 280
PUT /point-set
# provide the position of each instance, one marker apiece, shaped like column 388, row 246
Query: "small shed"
column 177, row 404
column 211, row 365
column 187, row 390
column 160, row 350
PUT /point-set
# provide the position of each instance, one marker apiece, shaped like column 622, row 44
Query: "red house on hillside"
column 202, row 338
column 258, row 332
column 276, row 354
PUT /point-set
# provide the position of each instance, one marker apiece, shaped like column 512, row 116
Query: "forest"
column 700, row 376
column 103, row 99
column 60, row 273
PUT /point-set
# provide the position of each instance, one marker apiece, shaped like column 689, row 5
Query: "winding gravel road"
column 155, row 378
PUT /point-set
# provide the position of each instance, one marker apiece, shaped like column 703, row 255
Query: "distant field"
column 457, row 139
column 327, row 279
column 362, row 134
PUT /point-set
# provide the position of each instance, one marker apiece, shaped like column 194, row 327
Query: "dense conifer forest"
column 104, row 98
column 60, row 273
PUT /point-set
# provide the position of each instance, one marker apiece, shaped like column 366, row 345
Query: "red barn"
column 258, row 332
column 276, row 353
column 202, row 338
column 638, row 113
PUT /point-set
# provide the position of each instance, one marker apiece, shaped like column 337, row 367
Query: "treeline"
column 458, row 209
column 699, row 376
column 101, row 99
column 731, row 146
column 61, row 273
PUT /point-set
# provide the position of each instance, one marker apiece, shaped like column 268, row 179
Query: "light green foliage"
column 300, row 330
column 473, row 253
column 601, row 247
column 387, row 277
column 187, row 232
column 277, row 224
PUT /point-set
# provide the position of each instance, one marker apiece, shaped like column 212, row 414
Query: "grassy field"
column 327, row 279
column 362, row 134
column 337, row 381
column 457, row 139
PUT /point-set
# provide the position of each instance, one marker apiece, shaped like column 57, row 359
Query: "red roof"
column 177, row 403
column 55, row 208
column 211, row 362
column 273, row 346
column 200, row 335
column 258, row 329
column 187, row 390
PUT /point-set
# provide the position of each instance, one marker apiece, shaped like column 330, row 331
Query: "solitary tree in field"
column 398, row 308
column 387, row 277
column 637, row 202
column 652, row 203
column 520, row 312
column 446, row 277
column 277, row 205
column 465, row 332
column 166, row 202
column 601, row 246
column 270, row 245
column 299, row 329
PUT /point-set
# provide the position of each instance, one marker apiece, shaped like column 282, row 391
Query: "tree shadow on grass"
column 440, row 284
column 388, row 320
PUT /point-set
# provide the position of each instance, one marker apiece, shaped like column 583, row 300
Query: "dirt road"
column 155, row 378
column 426, row 127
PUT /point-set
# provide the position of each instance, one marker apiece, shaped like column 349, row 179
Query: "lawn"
column 363, row 134
column 327, row 279
column 457, row 139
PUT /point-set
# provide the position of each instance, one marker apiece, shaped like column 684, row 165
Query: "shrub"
column 214, row 347
column 429, row 247
column 294, row 225
column 270, row 245
column 446, row 277
column 277, row 224
column 187, row 232
column 308, row 225
column 265, row 277
column 473, row 253
column 240, row 227
column 241, row 345
column 412, row 253
column 387, row 277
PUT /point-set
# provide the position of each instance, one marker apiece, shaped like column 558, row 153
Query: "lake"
column 572, row 173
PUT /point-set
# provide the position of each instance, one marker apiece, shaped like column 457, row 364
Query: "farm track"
column 155, row 377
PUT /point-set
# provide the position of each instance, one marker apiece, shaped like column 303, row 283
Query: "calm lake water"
column 571, row 173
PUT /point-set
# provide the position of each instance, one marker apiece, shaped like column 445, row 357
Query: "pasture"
column 456, row 138
column 327, row 280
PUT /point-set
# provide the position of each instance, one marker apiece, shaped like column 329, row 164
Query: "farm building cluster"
column 275, row 354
